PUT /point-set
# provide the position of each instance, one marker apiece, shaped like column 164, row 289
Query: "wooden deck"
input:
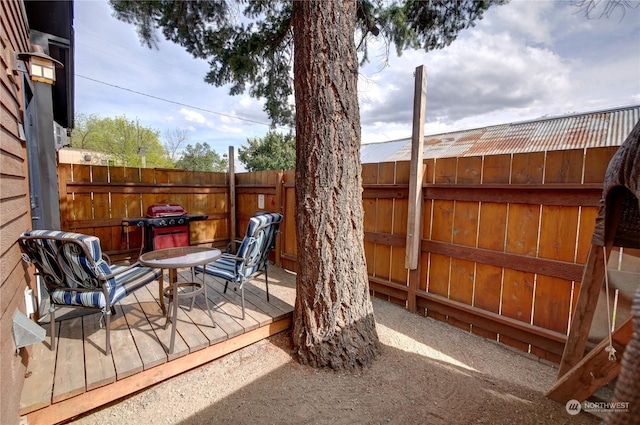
column 78, row 377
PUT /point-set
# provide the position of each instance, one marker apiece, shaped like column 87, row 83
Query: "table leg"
column 161, row 293
column 173, row 277
column 174, row 319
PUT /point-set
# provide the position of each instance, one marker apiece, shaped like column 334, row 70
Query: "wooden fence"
column 504, row 237
column 95, row 199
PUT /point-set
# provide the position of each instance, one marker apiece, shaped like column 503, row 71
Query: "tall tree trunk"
column 333, row 324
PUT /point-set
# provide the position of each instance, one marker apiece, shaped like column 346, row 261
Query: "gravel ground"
column 428, row 373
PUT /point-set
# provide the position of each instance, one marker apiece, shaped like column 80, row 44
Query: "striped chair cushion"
column 85, row 275
column 125, row 283
column 86, row 272
column 225, row 268
column 253, row 251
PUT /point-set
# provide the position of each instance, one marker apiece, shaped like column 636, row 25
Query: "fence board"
column 428, row 177
column 491, row 234
column 369, row 225
column 442, row 221
column 564, row 166
column 551, row 309
column 558, row 231
column 527, row 168
column 469, row 170
column 495, row 169
column 465, row 229
column 438, row 282
column 596, row 162
column 585, row 232
column 522, row 238
column 398, row 272
column 445, row 170
column 439, row 269
column 553, row 296
column 384, row 222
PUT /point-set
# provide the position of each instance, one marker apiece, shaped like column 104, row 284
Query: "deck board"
column 188, row 330
column 157, row 320
column 126, row 359
column 275, row 307
column 100, row 369
column 61, row 385
column 149, row 348
column 201, row 319
column 38, row 385
column 251, row 308
column 69, row 379
column 228, row 305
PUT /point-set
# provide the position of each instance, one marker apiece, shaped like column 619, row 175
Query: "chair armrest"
column 236, row 242
column 106, row 258
column 231, row 257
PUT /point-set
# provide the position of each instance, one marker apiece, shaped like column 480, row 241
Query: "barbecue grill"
column 165, row 226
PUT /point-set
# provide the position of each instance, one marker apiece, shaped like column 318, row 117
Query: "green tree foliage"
column 275, row 151
column 126, row 141
column 201, row 158
column 254, row 44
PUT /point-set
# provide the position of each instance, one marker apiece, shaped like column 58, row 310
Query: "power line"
column 173, row 101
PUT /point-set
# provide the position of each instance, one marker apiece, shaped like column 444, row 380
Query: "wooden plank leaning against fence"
column 504, row 237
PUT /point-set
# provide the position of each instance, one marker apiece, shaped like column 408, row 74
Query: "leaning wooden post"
column 414, row 231
column 232, row 196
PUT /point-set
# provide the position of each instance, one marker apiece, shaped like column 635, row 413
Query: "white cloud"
column 228, row 129
column 531, row 20
column 193, row 116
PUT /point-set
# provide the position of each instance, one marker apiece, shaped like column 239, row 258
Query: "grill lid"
column 165, row 210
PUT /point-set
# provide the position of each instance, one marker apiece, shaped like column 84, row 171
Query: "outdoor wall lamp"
column 42, row 67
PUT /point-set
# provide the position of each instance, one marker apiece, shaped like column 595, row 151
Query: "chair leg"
column 193, row 279
column 107, row 325
column 206, row 300
column 266, row 278
column 52, row 325
column 242, row 298
column 226, row 285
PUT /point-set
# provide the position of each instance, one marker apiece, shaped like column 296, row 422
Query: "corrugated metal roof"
column 586, row 130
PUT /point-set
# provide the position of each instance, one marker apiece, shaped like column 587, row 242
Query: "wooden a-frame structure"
column 617, row 225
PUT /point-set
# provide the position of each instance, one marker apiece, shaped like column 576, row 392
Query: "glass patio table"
column 173, row 259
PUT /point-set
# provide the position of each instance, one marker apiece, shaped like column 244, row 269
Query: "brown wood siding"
column 14, row 215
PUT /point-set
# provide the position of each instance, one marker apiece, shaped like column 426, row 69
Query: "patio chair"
column 252, row 257
column 76, row 273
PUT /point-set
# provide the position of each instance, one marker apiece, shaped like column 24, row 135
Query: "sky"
column 524, row 60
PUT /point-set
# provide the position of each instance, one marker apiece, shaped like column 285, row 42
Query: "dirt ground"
column 428, row 373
